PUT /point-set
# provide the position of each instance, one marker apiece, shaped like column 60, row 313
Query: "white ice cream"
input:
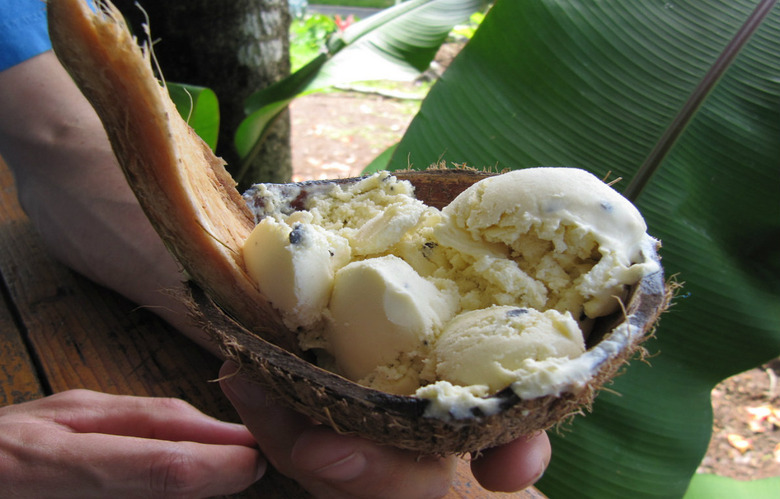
column 384, row 314
column 496, row 346
column 452, row 305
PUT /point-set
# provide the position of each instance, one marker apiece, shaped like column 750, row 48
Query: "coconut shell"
column 182, row 186
column 194, row 205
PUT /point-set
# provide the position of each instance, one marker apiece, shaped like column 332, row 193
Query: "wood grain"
column 18, row 380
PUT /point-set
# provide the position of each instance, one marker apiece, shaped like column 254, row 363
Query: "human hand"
column 513, row 466
column 81, row 443
column 331, row 465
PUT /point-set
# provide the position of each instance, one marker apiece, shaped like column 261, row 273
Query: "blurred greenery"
column 465, row 31
column 308, row 37
column 380, row 4
column 718, row 487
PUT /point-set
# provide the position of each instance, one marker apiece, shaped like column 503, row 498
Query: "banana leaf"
column 199, row 107
column 395, row 44
column 595, row 85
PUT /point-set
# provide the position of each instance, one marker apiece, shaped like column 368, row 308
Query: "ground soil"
column 336, row 134
column 746, row 428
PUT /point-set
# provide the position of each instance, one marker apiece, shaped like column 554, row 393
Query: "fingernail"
column 262, row 466
column 329, row 456
column 539, row 475
column 544, row 461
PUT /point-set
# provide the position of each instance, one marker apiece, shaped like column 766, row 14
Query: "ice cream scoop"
column 385, row 318
column 295, row 265
column 576, row 242
column 498, row 345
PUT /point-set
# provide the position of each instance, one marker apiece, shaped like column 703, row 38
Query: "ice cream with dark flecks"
column 495, row 290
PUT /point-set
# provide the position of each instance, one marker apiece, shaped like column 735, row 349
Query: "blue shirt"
column 23, row 31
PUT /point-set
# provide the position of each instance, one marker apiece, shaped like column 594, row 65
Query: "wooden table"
column 59, row 331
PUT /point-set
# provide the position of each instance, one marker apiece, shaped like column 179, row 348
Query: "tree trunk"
column 234, row 47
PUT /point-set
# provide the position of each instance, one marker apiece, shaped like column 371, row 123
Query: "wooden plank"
column 18, row 379
column 88, row 337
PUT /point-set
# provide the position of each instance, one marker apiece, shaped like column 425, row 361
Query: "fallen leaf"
column 760, row 413
column 763, row 418
column 739, row 442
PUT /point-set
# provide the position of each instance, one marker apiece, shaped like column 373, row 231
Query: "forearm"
column 73, row 190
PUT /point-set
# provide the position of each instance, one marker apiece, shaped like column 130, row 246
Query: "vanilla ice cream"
column 296, row 265
column 384, row 314
column 497, row 345
column 493, row 291
column 303, row 237
column 574, row 241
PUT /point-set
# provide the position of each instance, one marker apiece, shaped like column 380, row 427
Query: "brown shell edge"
column 399, row 421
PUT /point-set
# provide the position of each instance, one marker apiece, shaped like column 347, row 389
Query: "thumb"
column 329, row 464
column 275, row 428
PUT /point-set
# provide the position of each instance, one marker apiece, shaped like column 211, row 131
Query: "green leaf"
column 307, row 36
column 199, row 107
column 595, row 85
column 395, row 44
column 718, row 487
column 380, row 162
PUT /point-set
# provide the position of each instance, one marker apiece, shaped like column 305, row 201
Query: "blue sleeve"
column 23, row 31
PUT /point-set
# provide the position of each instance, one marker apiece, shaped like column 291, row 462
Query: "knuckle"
column 173, row 405
column 432, row 477
column 175, row 474
column 75, row 396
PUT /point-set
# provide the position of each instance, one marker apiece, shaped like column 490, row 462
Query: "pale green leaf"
column 199, row 108
column 718, row 487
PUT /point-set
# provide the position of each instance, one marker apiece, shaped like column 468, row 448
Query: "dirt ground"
column 336, row 135
column 746, row 429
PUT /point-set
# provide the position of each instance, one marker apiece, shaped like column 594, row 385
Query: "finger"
column 273, row 426
column 514, row 466
column 329, row 464
column 86, row 411
column 42, row 460
column 355, row 467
